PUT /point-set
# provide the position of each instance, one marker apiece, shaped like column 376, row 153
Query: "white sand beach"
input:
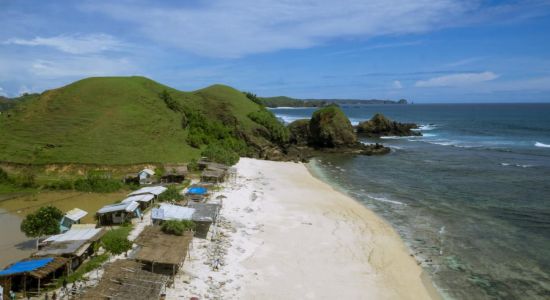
column 283, row 234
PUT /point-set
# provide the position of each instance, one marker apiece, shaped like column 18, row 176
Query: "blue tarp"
column 197, row 190
column 26, row 266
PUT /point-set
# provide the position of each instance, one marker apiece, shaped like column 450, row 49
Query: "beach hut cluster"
column 156, row 256
column 172, row 173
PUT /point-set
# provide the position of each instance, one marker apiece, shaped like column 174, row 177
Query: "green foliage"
column 193, row 165
column 126, row 120
column 45, row 221
column 4, row 178
column 90, row 265
column 27, row 179
column 63, row 184
column 254, row 98
column 217, row 152
column 170, row 102
column 330, row 127
column 177, row 227
column 171, row 194
column 278, row 132
column 97, row 183
column 116, row 240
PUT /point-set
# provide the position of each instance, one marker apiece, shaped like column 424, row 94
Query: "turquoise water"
column 471, row 197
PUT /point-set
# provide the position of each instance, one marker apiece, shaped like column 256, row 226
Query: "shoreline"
column 284, row 233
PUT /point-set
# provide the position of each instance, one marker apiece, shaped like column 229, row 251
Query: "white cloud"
column 73, row 44
column 2, row 92
column 460, row 79
column 397, row 84
column 236, row 28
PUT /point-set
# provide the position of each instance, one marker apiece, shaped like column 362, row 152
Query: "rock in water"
column 379, row 126
column 329, row 127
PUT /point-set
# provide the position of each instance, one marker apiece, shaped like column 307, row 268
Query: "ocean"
column 470, row 198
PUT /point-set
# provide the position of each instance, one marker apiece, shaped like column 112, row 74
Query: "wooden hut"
column 118, row 213
column 126, row 279
column 213, row 176
column 174, row 174
column 160, row 252
column 73, row 216
column 204, row 216
column 31, row 274
column 76, row 244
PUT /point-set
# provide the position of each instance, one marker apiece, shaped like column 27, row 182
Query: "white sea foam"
column 426, row 127
column 383, row 199
column 504, row 164
column 539, row 144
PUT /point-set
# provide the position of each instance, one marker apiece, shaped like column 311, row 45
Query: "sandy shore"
column 283, row 234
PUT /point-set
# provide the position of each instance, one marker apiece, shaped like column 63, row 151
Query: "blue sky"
column 424, row 50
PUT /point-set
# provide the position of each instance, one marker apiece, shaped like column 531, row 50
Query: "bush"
column 278, row 131
column 218, row 153
column 254, row 98
column 170, row 194
column 193, row 165
column 26, row 180
column 97, row 183
column 116, row 240
column 60, row 185
column 177, row 227
column 4, row 178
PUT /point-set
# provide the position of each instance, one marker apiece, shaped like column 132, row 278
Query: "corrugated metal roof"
column 148, row 171
column 76, row 233
column 76, row 214
column 172, row 212
column 154, row 190
column 139, row 198
column 128, row 206
column 26, row 266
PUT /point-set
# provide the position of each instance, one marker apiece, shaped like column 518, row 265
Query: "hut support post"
column 38, row 286
column 25, row 285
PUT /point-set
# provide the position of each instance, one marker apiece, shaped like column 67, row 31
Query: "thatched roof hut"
column 162, row 252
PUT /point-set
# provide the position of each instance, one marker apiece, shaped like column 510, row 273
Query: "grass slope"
column 112, row 120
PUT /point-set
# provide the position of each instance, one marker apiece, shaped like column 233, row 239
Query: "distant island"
column 283, row 101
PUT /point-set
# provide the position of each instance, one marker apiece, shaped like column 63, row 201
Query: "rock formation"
column 329, row 127
column 379, row 126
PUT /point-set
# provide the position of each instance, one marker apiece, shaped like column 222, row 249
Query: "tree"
column 43, row 222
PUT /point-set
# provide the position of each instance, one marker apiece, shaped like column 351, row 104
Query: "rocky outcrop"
column 379, row 126
column 330, row 128
column 328, row 131
column 299, row 132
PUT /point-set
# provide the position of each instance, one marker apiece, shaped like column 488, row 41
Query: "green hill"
column 125, row 120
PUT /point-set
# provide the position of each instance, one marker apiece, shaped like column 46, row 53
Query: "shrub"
column 60, row 185
column 216, row 152
column 26, row 180
column 4, row 178
column 116, row 240
column 278, row 132
column 97, row 183
column 177, row 227
column 193, row 165
column 172, row 193
column 254, row 98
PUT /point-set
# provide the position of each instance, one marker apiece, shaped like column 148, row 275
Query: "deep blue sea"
column 471, row 197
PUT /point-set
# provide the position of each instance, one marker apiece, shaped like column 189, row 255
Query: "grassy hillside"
column 117, row 120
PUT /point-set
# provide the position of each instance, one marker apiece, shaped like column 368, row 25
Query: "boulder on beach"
column 329, row 127
column 379, row 126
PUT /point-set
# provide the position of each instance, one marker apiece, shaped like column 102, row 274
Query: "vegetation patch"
column 116, row 240
column 93, row 263
column 177, row 227
column 171, row 194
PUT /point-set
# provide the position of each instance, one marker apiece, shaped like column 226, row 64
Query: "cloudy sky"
column 423, row 50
